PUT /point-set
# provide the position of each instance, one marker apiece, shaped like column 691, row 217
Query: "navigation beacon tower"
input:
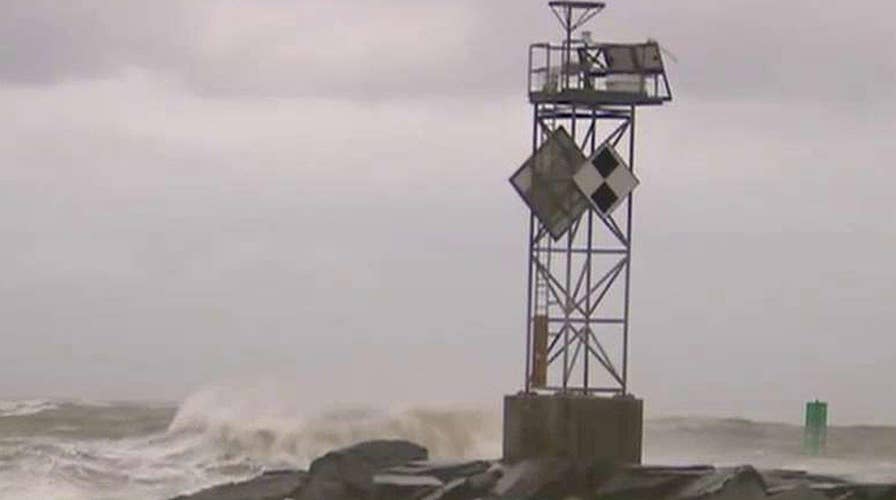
column 578, row 185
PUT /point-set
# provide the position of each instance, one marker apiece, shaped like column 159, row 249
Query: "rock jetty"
column 400, row 470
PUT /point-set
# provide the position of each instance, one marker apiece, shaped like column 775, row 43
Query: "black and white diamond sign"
column 605, row 179
column 545, row 182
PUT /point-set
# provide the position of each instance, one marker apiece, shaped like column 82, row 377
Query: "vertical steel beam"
column 628, row 264
column 531, row 256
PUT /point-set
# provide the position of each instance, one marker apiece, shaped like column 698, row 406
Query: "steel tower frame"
column 580, row 285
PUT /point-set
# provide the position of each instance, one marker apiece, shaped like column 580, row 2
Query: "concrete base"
column 582, row 428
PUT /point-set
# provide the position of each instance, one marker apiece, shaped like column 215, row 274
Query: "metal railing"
column 634, row 70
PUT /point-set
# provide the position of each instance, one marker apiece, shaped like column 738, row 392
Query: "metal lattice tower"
column 579, row 282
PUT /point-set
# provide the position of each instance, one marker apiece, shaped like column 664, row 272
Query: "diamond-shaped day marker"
column 605, row 179
column 545, row 182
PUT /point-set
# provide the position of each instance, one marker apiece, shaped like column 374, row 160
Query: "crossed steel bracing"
column 580, row 283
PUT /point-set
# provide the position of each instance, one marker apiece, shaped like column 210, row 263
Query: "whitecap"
column 24, row 407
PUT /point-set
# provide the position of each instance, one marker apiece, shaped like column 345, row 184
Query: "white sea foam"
column 24, row 407
column 222, row 435
column 270, row 434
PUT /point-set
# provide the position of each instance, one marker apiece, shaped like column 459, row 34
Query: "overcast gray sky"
column 198, row 192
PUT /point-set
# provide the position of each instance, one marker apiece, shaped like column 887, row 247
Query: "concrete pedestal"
column 585, row 428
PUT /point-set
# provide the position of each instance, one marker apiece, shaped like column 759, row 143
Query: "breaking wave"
column 294, row 440
column 25, row 407
column 82, row 451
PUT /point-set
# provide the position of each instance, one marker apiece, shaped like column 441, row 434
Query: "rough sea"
column 96, row 451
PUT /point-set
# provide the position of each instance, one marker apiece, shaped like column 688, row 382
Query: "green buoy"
column 815, row 434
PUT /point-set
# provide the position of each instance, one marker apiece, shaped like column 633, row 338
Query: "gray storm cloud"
column 193, row 192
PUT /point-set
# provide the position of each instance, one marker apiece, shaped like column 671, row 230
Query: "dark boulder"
column 395, row 487
column 268, row 486
column 473, row 487
column 347, row 474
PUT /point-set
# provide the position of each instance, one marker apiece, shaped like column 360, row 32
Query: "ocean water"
column 81, row 450
column 97, row 451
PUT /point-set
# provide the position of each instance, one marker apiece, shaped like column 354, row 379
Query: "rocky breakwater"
column 400, row 470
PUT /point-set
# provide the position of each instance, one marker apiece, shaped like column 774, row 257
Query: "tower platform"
column 595, row 98
column 577, row 427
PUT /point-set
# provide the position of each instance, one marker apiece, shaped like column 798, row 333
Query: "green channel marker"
column 815, row 434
